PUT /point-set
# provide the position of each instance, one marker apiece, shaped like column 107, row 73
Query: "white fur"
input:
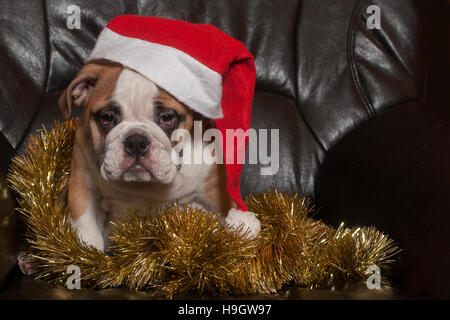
column 246, row 219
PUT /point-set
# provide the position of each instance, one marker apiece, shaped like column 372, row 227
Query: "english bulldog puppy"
column 122, row 153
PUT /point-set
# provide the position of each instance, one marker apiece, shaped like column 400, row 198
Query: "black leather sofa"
column 363, row 115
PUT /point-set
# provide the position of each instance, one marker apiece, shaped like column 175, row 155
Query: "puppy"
column 122, row 153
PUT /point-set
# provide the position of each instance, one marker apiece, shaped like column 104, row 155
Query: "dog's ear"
column 79, row 89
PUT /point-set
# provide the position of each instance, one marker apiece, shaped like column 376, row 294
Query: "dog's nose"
column 136, row 145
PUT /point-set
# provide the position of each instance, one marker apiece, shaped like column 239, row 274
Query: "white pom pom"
column 247, row 219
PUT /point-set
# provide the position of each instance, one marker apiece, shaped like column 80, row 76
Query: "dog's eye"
column 167, row 118
column 107, row 118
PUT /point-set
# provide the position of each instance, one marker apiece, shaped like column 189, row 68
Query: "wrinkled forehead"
column 135, row 95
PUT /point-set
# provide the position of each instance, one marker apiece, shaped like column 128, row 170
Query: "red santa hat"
column 201, row 66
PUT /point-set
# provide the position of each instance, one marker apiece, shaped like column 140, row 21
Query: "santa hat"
column 201, row 66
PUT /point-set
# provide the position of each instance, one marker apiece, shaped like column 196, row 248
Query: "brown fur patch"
column 216, row 189
column 104, row 87
column 103, row 77
column 78, row 193
column 100, row 96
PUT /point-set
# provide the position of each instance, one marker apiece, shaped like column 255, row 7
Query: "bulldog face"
column 128, row 122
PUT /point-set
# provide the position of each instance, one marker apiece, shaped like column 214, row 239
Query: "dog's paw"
column 95, row 240
column 246, row 219
column 88, row 232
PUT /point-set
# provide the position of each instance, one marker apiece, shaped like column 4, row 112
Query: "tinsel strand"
column 180, row 249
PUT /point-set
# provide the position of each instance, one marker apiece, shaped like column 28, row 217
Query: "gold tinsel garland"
column 185, row 249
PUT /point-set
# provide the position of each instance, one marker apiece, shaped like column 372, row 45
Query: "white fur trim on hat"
column 247, row 219
column 186, row 78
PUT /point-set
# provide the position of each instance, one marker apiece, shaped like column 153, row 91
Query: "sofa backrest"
column 320, row 71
